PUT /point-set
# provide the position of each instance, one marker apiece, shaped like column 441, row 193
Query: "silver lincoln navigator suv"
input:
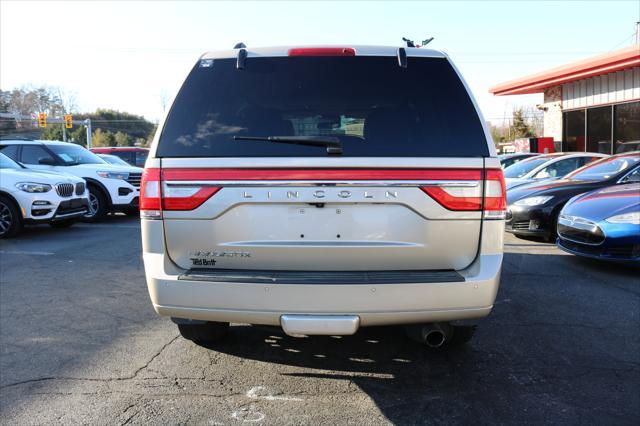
column 323, row 189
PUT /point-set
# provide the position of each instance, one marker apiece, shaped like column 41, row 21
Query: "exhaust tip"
column 435, row 338
column 433, row 335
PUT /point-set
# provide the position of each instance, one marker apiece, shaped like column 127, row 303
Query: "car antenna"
column 402, row 53
column 411, row 43
column 427, row 41
column 242, row 55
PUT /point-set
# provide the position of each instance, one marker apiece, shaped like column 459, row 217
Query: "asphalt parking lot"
column 80, row 343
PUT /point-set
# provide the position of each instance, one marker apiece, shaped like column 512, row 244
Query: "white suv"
column 30, row 197
column 111, row 187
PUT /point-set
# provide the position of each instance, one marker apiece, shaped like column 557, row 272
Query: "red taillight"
column 322, row 51
column 454, row 198
column 495, row 192
column 150, row 193
column 187, row 197
column 156, row 195
column 467, row 198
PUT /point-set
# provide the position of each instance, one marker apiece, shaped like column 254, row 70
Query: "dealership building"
column 591, row 105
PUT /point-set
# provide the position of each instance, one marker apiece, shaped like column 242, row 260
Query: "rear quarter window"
column 375, row 107
column 10, row 151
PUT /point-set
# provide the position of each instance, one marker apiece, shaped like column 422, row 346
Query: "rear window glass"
column 372, row 105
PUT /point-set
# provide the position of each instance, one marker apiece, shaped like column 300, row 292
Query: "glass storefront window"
column 573, row 131
column 599, row 130
column 626, row 127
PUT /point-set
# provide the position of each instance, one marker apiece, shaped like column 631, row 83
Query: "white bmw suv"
column 31, row 197
column 111, row 187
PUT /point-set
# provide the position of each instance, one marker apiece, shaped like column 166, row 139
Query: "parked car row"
column 36, row 182
column 592, row 211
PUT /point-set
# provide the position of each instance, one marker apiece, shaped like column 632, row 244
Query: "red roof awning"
column 598, row 65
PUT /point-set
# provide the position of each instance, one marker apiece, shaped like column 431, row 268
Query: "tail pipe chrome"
column 434, row 335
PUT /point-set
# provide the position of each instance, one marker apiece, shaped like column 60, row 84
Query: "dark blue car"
column 603, row 224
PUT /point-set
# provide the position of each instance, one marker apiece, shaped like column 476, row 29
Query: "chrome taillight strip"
column 359, row 183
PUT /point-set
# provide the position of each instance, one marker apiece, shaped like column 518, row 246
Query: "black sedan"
column 533, row 209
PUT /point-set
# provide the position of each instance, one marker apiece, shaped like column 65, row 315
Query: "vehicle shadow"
column 409, row 383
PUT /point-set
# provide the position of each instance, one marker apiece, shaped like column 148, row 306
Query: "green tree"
column 521, row 127
column 53, row 132
column 100, row 138
column 123, row 139
column 78, row 135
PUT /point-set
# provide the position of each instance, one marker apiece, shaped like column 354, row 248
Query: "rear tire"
column 10, row 219
column 208, row 332
column 62, row 224
column 97, row 205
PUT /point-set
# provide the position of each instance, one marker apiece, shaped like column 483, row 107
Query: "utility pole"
column 87, row 123
column 64, row 132
column 638, row 32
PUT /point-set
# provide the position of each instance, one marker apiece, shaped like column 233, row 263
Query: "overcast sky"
column 129, row 55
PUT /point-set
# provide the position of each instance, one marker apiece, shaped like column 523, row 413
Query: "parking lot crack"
column 156, row 355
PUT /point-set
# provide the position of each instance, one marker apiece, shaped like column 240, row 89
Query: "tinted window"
column 627, row 127
column 573, row 131
column 32, row 154
column 634, row 176
column 10, row 151
column 375, row 107
column 599, row 130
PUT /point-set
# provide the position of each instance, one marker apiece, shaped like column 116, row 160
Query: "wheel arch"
column 11, row 198
column 105, row 191
column 16, row 204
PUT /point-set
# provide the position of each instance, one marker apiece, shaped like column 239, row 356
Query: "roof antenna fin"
column 402, row 57
column 239, row 45
column 242, row 58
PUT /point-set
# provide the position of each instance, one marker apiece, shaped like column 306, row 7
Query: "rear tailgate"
column 322, row 219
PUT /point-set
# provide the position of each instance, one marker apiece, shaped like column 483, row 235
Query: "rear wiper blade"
column 333, row 144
